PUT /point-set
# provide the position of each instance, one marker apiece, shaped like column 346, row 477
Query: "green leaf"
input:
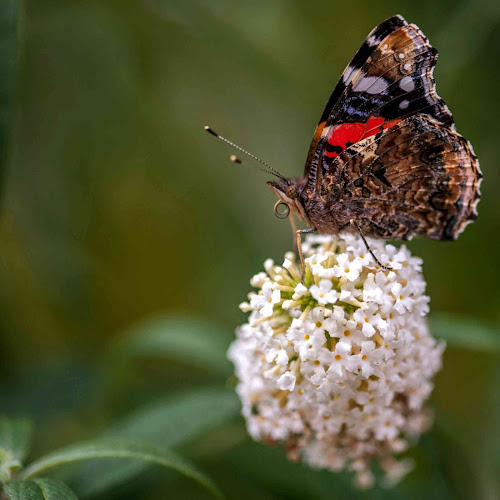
column 15, row 436
column 9, row 14
column 39, row 489
column 23, row 490
column 193, row 341
column 119, row 449
column 175, row 420
column 168, row 422
column 54, row 490
column 465, row 332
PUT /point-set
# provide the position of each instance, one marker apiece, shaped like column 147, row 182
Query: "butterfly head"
column 290, row 200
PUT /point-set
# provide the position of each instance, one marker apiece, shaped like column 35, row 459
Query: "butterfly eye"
column 281, row 210
column 290, row 192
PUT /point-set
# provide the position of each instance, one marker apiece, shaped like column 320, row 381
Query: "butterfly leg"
column 298, row 240
column 358, row 229
column 294, row 230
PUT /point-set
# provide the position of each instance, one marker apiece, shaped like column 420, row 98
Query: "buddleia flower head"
column 338, row 367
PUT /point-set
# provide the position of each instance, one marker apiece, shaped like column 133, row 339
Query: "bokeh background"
column 122, row 219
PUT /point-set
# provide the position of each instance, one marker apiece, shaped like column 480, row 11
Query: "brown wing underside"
column 415, row 178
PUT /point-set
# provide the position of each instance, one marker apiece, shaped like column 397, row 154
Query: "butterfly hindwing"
column 416, row 177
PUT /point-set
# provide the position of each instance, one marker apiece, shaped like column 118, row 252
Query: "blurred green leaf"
column 23, row 490
column 119, row 449
column 169, row 422
column 465, row 332
column 15, row 436
column 175, row 420
column 39, row 489
column 9, row 14
column 193, row 341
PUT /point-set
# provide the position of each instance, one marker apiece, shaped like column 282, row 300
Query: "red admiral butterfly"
column 385, row 160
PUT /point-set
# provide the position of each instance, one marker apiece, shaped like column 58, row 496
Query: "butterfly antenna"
column 235, row 159
column 238, row 161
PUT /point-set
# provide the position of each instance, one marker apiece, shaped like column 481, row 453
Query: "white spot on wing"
column 348, row 74
column 404, row 104
column 372, row 40
column 326, row 131
column 371, row 84
column 407, row 83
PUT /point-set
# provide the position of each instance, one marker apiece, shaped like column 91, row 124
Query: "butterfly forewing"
column 394, row 81
column 364, row 52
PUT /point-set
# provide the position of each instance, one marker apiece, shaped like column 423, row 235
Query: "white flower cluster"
column 338, row 367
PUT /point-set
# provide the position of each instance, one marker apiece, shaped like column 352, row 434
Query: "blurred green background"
column 118, row 211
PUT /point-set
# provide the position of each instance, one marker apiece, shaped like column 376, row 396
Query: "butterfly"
column 385, row 160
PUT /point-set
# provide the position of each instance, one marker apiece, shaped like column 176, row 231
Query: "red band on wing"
column 345, row 134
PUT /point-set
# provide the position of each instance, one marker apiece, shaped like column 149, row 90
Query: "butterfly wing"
column 394, row 81
column 365, row 51
column 417, row 177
